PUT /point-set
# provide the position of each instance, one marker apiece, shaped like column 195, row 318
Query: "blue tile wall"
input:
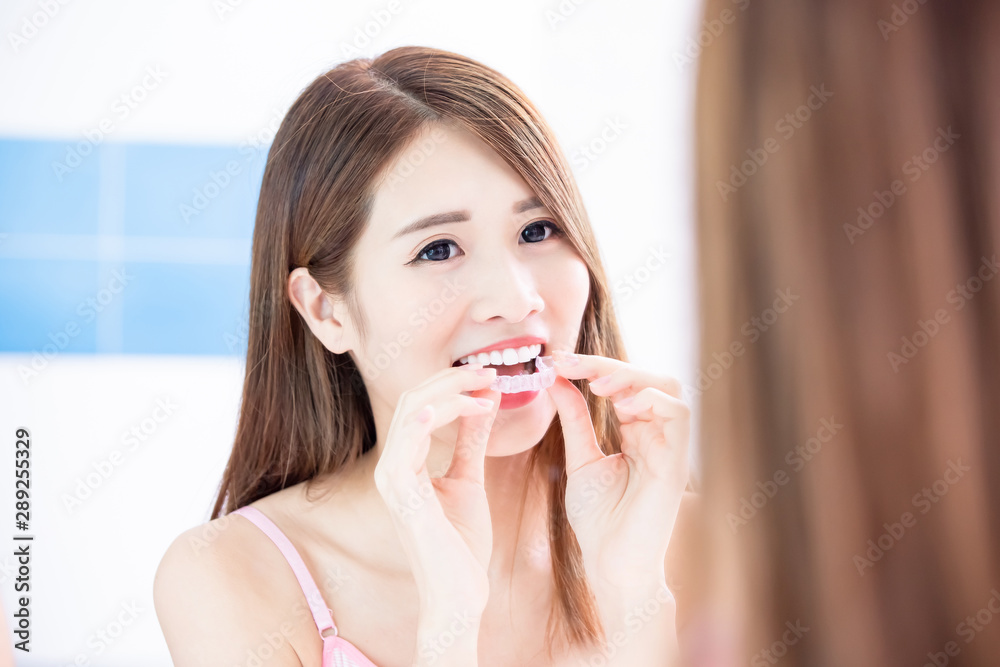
column 170, row 307
column 125, row 248
column 191, row 192
column 35, row 198
column 44, row 308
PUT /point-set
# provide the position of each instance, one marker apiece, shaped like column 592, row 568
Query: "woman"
column 849, row 155
column 415, row 211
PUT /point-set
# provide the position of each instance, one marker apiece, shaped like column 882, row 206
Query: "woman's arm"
column 641, row 623
column 209, row 612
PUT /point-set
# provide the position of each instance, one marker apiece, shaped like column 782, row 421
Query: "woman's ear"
column 325, row 315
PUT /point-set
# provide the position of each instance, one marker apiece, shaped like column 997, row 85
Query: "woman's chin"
column 518, row 429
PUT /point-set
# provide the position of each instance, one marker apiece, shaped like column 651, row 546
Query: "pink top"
column 337, row 651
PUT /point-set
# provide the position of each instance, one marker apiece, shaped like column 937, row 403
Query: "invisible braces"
column 543, row 377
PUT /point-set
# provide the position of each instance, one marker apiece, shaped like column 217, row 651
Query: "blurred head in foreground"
column 848, row 192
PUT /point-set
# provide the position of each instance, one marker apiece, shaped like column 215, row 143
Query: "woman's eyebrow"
column 523, row 206
column 527, row 205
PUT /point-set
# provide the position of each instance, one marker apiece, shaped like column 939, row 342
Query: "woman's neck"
column 350, row 504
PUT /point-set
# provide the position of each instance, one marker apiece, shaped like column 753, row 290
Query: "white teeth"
column 506, row 357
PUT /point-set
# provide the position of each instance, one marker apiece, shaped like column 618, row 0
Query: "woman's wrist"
column 627, row 581
column 639, row 619
column 622, row 595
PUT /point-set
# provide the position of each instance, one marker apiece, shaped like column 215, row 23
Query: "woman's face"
column 493, row 267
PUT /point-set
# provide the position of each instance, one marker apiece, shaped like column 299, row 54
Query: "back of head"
column 849, row 224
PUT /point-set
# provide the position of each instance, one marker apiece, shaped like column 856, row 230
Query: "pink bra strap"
column 321, row 614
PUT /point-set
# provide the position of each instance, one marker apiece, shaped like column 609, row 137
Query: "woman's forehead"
column 453, row 171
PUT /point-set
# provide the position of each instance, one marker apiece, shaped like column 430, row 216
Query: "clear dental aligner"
column 543, row 377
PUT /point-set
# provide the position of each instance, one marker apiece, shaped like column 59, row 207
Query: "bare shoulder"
column 214, row 601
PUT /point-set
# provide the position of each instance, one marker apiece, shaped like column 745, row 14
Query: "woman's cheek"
column 566, row 294
column 577, row 281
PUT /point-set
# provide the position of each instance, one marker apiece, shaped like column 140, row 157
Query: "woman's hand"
column 443, row 523
column 623, row 507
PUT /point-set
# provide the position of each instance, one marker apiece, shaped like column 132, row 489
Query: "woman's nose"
column 506, row 288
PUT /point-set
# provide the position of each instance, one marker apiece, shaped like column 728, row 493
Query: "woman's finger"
column 663, row 429
column 629, row 377
column 467, row 378
column 650, row 403
column 609, row 376
column 444, row 411
column 584, row 366
column 469, row 459
column 578, row 429
column 426, row 408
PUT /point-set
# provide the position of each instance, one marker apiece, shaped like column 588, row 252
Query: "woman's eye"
column 433, row 252
column 438, row 251
column 540, row 225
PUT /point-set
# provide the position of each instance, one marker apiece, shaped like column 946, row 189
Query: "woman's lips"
column 512, row 401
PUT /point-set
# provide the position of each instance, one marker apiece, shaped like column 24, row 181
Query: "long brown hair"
column 848, row 160
column 304, row 410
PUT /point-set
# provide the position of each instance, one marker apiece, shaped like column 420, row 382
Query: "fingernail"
column 625, row 401
column 486, row 371
column 485, row 402
column 601, row 380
